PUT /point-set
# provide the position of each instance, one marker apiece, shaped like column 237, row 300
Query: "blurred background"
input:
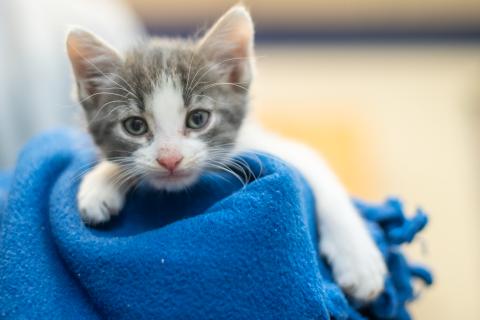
column 388, row 91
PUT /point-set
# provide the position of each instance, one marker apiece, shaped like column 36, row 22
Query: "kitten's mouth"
column 176, row 176
column 173, row 180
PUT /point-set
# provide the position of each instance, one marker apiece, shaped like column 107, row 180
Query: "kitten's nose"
column 170, row 162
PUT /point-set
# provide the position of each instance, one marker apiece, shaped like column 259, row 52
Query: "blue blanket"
column 218, row 251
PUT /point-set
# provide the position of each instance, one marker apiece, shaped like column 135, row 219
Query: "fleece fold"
column 220, row 250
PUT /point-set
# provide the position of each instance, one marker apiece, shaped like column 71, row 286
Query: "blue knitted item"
column 218, row 251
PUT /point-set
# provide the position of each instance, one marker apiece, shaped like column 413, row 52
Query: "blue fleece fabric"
column 218, row 251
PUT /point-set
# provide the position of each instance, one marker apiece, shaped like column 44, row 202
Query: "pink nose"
column 170, row 162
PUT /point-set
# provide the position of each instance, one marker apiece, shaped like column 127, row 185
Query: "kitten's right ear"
column 93, row 61
column 230, row 43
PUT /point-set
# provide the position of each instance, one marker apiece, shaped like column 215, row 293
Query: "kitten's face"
column 168, row 110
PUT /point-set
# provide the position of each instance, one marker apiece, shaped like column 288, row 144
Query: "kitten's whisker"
column 242, row 169
column 219, row 175
column 254, row 156
column 103, row 92
column 81, row 174
column 97, row 113
column 84, row 168
column 189, row 69
column 222, row 167
column 123, row 106
column 225, row 158
column 241, row 162
column 194, row 158
column 126, row 82
column 119, row 88
column 234, row 165
column 128, row 174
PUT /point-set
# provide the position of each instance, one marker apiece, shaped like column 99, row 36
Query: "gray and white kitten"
column 171, row 109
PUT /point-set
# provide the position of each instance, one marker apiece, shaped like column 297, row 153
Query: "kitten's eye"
column 197, row 119
column 136, row 126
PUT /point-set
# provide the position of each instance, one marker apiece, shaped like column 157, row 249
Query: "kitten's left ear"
column 230, row 44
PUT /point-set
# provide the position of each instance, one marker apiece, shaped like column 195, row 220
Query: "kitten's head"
column 169, row 109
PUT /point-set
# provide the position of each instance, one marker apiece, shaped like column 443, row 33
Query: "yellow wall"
column 396, row 120
column 344, row 140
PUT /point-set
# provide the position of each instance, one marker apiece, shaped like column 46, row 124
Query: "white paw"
column 98, row 200
column 358, row 267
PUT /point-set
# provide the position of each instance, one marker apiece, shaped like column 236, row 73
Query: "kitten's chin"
column 172, row 182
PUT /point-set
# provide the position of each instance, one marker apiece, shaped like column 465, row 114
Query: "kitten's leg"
column 357, row 264
column 99, row 197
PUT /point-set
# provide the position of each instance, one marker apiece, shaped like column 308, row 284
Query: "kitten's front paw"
column 358, row 268
column 98, row 200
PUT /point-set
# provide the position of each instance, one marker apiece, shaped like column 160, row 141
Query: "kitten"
column 169, row 110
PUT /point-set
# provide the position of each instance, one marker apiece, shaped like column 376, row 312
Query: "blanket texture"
column 218, row 251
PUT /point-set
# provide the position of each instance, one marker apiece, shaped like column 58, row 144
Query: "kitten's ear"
column 93, row 61
column 230, row 44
